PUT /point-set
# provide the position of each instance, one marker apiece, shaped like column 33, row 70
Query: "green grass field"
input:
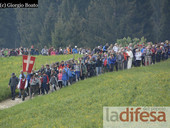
column 14, row 64
column 81, row 105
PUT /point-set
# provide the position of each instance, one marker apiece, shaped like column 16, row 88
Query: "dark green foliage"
column 165, row 21
column 85, row 23
column 8, row 28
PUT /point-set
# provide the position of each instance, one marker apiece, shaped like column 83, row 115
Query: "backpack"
column 84, row 69
column 148, row 52
column 104, row 48
column 153, row 51
column 105, row 62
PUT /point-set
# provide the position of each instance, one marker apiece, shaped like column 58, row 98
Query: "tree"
column 49, row 24
column 156, row 19
column 165, row 21
column 8, row 33
column 58, row 37
column 139, row 19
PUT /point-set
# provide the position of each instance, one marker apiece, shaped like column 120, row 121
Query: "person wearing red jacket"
column 125, row 59
column 60, row 82
column 61, row 67
column 23, row 83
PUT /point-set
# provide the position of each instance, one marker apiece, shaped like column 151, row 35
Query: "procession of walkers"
column 102, row 59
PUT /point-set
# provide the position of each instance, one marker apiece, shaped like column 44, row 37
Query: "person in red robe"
column 22, row 86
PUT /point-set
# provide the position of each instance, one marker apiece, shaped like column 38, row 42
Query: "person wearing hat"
column 75, row 50
column 13, row 84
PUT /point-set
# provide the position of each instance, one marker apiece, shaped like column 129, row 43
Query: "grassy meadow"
column 81, row 105
column 14, row 64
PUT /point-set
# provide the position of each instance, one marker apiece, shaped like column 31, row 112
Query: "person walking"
column 45, row 82
column 13, row 84
column 22, row 86
column 60, row 82
column 53, row 83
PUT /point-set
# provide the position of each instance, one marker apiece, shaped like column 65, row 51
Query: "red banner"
column 28, row 63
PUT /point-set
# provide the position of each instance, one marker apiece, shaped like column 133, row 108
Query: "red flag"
column 28, row 63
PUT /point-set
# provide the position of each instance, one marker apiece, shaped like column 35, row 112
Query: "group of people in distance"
column 92, row 63
column 5, row 52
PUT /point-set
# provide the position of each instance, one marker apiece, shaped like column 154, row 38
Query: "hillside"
column 14, row 64
column 81, row 105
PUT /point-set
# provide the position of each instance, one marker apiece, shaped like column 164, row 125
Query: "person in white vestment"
column 130, row 58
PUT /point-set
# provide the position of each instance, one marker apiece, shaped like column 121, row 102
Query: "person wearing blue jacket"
column 65, row 76
column 70, row 76
column 28, row 79
column 75, row 50
column 45, row 82
column 105, row 48
column 73, row 74
column 112, row 61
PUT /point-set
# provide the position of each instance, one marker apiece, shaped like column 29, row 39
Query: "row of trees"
column 85, row 23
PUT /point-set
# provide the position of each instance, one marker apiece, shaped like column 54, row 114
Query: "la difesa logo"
column 115, row 117
column 131, row 114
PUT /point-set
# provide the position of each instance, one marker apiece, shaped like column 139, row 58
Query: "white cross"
column 28, row 61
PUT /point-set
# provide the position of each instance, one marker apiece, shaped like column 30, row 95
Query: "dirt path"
column 9, row 103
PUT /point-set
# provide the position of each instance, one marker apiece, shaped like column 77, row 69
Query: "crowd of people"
column 5, row 52
column 102, row 59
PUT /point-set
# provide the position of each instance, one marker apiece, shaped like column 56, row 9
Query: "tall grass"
column 81, row 105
